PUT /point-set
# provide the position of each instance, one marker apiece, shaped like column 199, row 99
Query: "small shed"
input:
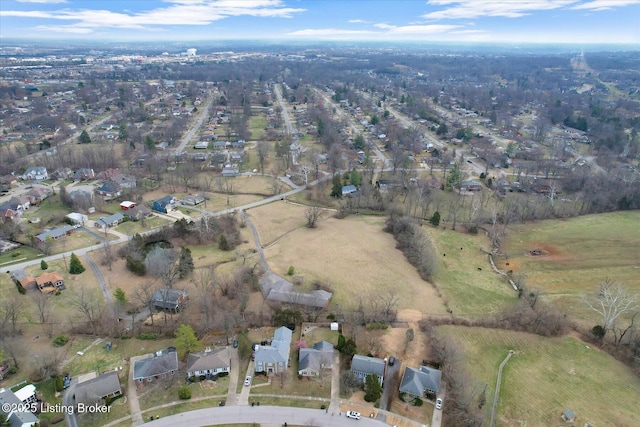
column 334, row 326
column 568, row 416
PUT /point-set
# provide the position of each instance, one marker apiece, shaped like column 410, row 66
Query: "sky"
column 491, row 21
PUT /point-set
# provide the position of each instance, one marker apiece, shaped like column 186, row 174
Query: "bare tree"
column 313, row 215
column 143, row 295
column 389, row 303
column 90, row 306
column 263, row 148
column 108, row 253
column 187, row 172
column 205, row 282
column 11, row 310
column 162, row 263
column 611, row 302
column 43, row 306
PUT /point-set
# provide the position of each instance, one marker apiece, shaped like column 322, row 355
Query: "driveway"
column 436, row 420
column 68, row 400
column 232, row 395
column 132, row 394
column 390, row 384
column 334, row 406
column 243, row 397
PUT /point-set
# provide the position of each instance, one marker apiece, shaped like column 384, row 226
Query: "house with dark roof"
column 11, row 209
column 349, row 190
column 97, row 389
column 193, row 200
column 361, row 366
column 138, row 212
column 55, row 233
column 164, row 204
column 313, row 360
column 83, row 174
column 168, row 299
column 274, row 358
column 470, row 186
column 421, row 381
column 125, row 181
column 230, row 171
column 209, row 362
column 37, row 195
column 109, row 190
column 109, row 221
column 8, row 402
column 158, row 366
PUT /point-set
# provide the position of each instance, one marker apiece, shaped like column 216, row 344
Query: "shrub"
column 75, row 266
column 21, row 288
column 147, row 336
column 136, row 265
column 43, row 265
column 59, row 383
column 223, row 374
column 374, row 326
column 60, row 340
column 322, row 407
column 290, row 271
column 192, row 379
column 184, row 393
column 417, row 402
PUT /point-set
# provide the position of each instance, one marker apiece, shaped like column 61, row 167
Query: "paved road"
column 285, row 111
column 265, row 415
column 68, row 400
column 100, row 277
column 203, row 113
column 232, row 396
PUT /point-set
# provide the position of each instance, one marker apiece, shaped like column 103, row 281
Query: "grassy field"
column 580, row 253
column 21, row 254
column 275, row 219
column 469, row 291
column 353, row 255
column 546, row 376
column 132, row 227
column 163, row 391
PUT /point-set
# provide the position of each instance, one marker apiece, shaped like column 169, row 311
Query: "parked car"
column 235, row 343
column 353, row 414
column 392, row 360
column 247, row 381
column 438, row 403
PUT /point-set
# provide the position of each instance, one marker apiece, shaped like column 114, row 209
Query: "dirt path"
column 496, row 396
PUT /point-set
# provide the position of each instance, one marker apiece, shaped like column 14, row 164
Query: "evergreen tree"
column 186, row 341
column 223, row 245
column 84, row 138
column 359, row 142
column 372, row 388
column 336, row 190
column 75, row 266
column 43, row 265
column 454, row 178
column 356, row 178
column 435, row 219
column 120, row 296
column 185, row 263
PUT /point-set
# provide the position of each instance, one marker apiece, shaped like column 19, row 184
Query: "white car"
column 247, row 381
column 353, row 414
column 438, row 403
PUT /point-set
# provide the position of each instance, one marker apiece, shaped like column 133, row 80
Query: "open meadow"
column 576, row 255
column 546, row 376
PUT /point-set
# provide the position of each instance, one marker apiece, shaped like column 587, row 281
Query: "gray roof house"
column 168, row 299
column 37, row 173
column 313, row 360
column 361, row 366
column 418, row 382
column 56, row 233
column 109, row 221
column 98, row 388
column 209, row 362
column 155, row 367
column 274, row 358
column 16, row 419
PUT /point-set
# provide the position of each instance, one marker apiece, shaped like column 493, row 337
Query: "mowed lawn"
column 546, row 376
column 581, row 253
column 465, row 276
column 353, row 255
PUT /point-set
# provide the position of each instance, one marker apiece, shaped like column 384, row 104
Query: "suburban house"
column 50, row 282
column 11, row 209
column 55, row 233
column 274, row 358
column 83, row 174
column 361, row 366
column 99, row 388
column 136, row 213
column 168, row 299
column 568, row 416
column 37, row 195
column 209, row 362
column 470, row 186
column 313, row 360
column 109, row 190
column 109, row 221
column 161, row 364
column 421, row 381
column 348, row 190
column 194, row 200
column 36, row 173
column 9, row 401
column 230, row 171
column 164, row 205
column 62, row 173
column 125, row 181
column 27, row 394
column 77, row 218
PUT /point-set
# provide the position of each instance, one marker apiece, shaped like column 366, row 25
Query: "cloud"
column 416, row 29
column 598, row 5
column 469, row 9
column 333, row 32
column 179, row 12
column 356, row 21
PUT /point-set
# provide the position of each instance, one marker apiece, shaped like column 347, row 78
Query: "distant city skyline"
column 465, row 21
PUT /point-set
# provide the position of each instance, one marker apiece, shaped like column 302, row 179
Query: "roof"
column 313, row 358
column 168, row 296
column 278, row 351
column 368, row 365
column 109, row 187
column 98, row 387
column 51, row 277
column 156, row 365
column 205, row 360
column 111, row 219
column 163, row 201
column 416, row 381
column 54, row 233
column 346, row 189
column 568, row 413
column 25, row 392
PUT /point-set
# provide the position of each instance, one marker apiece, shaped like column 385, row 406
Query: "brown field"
column 353, row 255
column 275, row 219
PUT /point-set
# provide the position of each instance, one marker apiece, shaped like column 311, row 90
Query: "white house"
column 36, row 173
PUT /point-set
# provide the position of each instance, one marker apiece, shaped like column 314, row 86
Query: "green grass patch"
column 546, row 376
column 21, row 254
column 257, row 123
column 318, row 334
column 132, row 227
column 469, row 291
column 118, row 409
column 166, row 390
column 579, row 253
column 285, row 401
